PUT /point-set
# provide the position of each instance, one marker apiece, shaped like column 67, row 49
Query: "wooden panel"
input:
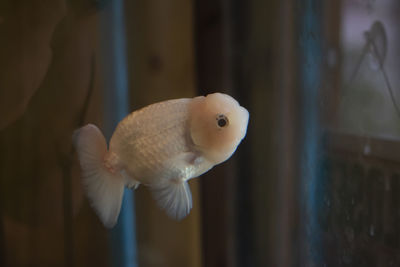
column 217, row 186
column 161, row 66
column 264, row 70
column 246, row 48
column 50, row 60
column 45, row 219
column 359, row 215
column 384, row 149
column 26, row 29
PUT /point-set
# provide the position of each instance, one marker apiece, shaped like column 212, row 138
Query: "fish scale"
column 148, row 146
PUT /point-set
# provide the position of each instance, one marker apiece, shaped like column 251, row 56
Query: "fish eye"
column 222, row 120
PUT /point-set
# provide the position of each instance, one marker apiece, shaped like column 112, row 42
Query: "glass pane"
column 369, row 103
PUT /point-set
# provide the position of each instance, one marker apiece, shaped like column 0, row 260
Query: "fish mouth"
column 244, row 114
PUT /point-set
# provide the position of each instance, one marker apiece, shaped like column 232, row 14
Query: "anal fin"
column 174, row 196
column 129, row 181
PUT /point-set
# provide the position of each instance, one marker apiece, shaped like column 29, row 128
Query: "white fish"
column 161, row 146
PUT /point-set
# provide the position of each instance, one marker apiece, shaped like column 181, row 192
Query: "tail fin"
column 103, row 188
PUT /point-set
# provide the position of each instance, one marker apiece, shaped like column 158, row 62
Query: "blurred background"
column 315, row 182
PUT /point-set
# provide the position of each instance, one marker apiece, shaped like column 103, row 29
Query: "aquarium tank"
column 315, row 181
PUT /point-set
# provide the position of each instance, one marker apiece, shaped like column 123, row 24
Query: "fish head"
column 217, row 125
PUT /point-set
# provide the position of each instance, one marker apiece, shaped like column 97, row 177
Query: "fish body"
column 160, row 146
column 151, row 145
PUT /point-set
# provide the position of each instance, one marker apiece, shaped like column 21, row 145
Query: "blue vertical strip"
column 310, row 65
column 122, row 236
